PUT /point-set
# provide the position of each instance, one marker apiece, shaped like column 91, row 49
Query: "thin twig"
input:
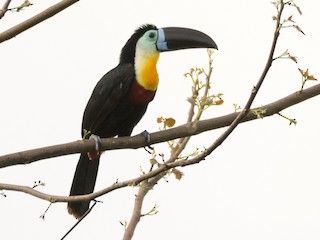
column 80, row 219
column 4, row 8
column 44, row 214
column 42, row 16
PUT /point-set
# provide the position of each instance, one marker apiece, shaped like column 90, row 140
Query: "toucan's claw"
column 147, row 139
column 149, row 149
column 96, row 154
column 147, row 136
column 97, row 141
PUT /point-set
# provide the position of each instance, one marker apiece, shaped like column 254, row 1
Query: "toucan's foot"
column 147, row 139
column 97, row 153
column 97, row 141
column 146, row 135
column 149, row 149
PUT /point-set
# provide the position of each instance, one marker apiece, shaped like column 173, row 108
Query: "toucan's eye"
column 152, row 35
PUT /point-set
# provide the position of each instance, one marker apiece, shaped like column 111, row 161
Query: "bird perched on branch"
column 121, row 97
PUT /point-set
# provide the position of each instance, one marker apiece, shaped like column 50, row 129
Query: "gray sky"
column 262, row 183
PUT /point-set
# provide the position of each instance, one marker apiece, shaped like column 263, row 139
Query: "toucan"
column 121, row 97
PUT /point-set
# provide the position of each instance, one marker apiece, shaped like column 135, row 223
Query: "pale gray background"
column 262, row 183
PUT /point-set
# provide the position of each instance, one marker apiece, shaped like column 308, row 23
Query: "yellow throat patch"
column 146, row 71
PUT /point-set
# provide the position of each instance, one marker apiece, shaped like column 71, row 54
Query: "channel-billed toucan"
column 121, row 97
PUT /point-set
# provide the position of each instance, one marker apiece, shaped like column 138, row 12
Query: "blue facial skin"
column 161, row 43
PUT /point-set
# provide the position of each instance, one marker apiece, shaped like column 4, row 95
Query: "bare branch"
column 138, row 141
column 4, row 8
column 80, row 219
column 136, row 214
column 44, row 15
column 87, row 197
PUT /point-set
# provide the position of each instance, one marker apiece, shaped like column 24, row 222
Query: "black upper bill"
column 174, row 38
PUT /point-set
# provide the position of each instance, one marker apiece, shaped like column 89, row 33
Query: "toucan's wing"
column 106, row 95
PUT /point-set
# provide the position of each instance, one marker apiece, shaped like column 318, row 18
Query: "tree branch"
column 44, row 15
column 136, row 214
column 4, row 8
column 138, row 141
column 204, row 125
column 87, row 197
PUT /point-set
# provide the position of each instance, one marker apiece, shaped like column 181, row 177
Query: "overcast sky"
column 262, row 183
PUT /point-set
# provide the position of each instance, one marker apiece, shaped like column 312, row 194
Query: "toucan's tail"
column 83, row 183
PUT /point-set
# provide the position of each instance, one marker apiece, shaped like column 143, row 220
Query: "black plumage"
column 121, row 98
column 111, row 111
